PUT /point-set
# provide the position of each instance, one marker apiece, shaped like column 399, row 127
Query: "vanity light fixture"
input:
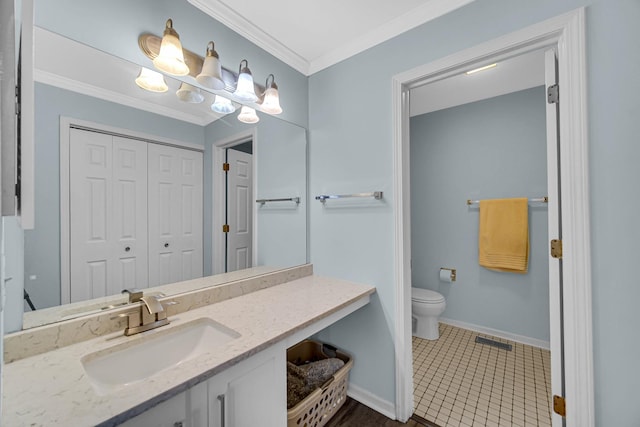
column 244, row 88
column 248, row 115
column 222, row 105
column 271, row 103
column 190, row 94
column 171, row 59
column 211, row 74
column 486, row 67
column 151, row 80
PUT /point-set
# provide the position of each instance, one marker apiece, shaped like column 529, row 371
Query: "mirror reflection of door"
column 135, row 214
column 239, row 207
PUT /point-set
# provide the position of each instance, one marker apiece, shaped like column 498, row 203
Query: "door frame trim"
column 567, row 33
column 66, row 123
column 217, row 209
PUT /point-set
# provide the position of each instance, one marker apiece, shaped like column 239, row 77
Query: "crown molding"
column 425, row 13
column 56, row 80
column 230, row 18
column 251, row 32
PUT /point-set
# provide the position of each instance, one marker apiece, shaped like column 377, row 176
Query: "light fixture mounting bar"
column 150, row 46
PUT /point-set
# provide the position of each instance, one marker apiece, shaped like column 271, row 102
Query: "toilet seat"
column 426, row 296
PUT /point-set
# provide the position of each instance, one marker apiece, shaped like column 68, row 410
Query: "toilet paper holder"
column 452, row 273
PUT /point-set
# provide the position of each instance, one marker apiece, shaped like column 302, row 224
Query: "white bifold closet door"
column 108, row 214
column 175, row 214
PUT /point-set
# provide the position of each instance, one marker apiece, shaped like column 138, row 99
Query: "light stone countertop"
column 52, row 388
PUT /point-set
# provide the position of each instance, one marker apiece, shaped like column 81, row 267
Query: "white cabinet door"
column 170, row 413
column 239, row 210
column 175, row 214
column 108, row 214
column 252, row 394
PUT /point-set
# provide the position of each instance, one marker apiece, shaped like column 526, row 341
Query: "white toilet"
column 426, row 307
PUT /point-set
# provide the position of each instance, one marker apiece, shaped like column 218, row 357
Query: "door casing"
column 566, row 33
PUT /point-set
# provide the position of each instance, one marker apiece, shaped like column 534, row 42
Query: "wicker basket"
column 316, row 409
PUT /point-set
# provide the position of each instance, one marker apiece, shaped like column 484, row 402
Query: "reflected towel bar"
column 287, row 199
column 544, row 199
column 375, row 194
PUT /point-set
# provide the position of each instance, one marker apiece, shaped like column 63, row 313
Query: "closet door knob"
column 166, row 245
column 127, row 249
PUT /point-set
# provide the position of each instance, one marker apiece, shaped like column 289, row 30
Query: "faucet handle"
column 135, row 295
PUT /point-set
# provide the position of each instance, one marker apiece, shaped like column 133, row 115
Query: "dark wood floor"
column 355, row 414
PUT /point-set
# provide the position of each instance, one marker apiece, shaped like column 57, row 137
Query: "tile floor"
column 459, row 383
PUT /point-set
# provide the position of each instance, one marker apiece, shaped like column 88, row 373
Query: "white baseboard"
column 374, row 402
column 533, row 342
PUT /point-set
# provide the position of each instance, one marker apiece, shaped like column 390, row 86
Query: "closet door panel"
column 191, row 210
column 130, row 214
column 91, row 191
column 108, row 214
column 175, row 214
column 163, row 263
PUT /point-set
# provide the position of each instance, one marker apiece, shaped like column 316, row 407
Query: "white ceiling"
column 313, row 35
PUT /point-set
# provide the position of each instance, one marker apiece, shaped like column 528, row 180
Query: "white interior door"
column 555, row 232
column 108, row 212
column 175, row 214
column 239, row 210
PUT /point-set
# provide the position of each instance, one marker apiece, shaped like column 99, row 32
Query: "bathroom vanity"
column 221, row 364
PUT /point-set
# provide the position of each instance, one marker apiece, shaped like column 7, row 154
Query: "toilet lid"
column 426, row 295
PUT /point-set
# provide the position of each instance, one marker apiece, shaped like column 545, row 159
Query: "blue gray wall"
column 281, row 155
column 351, row 149
column 42, row 244
column 487, row 149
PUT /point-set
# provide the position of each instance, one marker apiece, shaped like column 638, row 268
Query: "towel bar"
column 544, row 199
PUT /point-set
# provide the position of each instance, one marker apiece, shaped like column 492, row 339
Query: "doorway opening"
column 565, row 34
column 485, row 139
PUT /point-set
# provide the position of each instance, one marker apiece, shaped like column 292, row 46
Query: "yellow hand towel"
column 503, row 235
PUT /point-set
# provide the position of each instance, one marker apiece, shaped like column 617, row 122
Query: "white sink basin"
column 127, row 363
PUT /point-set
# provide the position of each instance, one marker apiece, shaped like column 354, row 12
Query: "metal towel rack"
column 286, row 199
column 375, row 194
column 544, row 199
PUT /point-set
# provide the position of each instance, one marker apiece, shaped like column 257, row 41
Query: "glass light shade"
column 188, row 93
column 244, row 89
column 151, row 80
column 271, row 103
column 248, row 115
column 211, row 74
column 171, row 59
column 222, row 105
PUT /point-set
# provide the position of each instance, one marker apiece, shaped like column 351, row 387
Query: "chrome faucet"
column 148, row 315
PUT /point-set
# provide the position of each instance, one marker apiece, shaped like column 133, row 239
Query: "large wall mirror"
column 93, row 123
